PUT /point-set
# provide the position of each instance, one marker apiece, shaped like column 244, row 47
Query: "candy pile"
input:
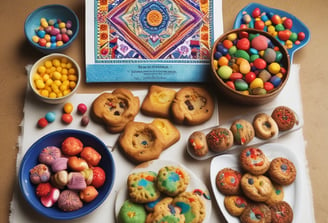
column 55, row 78
column 53, row 33
column 274, row 24
column 68, row 176
column 249, row 62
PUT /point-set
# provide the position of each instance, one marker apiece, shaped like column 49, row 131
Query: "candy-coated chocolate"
column 82, row 108
column 42, row 122
column 67, row 118
column 68, row 107
column 225, row 72
column 50, row 116
column 241, row 85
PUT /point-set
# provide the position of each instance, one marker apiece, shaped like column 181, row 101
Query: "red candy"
column 82, row 108
column 99, row 177
column 67, row 118
column 259, row 63
column 42, row 122
column 256, row 12
column 243, row 44
column 288, row 23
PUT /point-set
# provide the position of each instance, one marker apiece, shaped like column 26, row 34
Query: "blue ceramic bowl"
column 55, row 138
column 55, row 11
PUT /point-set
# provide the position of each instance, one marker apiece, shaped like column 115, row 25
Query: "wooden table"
column 16, row 54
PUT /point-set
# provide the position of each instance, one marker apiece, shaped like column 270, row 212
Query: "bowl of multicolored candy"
column 54, row 78
column 51, row 28
column 249, row 66
column 66, row 174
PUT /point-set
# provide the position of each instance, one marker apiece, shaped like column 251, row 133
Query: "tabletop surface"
column 16, row 54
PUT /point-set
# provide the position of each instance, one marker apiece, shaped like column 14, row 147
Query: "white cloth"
column 33, row 110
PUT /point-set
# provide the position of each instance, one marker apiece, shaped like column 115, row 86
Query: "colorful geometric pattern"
column 153, row 29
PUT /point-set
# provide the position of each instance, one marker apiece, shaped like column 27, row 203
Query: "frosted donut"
column 265, row 126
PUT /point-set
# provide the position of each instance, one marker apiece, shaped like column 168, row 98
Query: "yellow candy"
column 62, row 25
column 52, row 95
column 289, row 44
column 68, row 107
column 44, row 23
column 45, row 93
column 72, row 77
column 274, row 68
column 256, row 83
column 57, row 75
column 39, row 84
column 41, row 69
column 59, row 43
column 56, row 62
column 35, row 39
column 232, row 36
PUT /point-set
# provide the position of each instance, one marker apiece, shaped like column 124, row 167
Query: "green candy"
column 242, row 54
column 241, row 85
column 224, row 72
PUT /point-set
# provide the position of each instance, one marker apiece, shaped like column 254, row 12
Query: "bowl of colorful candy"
column 54, row 78
column 51, row 28
column 66, row 174
column 249, row 66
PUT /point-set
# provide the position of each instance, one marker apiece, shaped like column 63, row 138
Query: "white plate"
column 255, row 141
column 156, row 165
column 271, row 150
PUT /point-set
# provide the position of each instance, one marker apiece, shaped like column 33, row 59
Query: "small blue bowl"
column 54, row 11
column 55, row 138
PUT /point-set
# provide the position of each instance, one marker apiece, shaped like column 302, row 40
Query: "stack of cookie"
column 161, row 197
column 255, row 194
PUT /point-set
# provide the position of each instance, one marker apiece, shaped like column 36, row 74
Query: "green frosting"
column 132, row 213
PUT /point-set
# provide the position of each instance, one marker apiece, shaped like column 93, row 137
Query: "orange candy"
column 88, row 194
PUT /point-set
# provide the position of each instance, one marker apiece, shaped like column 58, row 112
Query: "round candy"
column 67, row 118
column 42, row 122
column 68, row 108
column 50, row 116
column 85, row 120
column 260, row 42
column 82, row 108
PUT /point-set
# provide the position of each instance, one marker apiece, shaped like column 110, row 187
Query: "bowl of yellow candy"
column 54, row 78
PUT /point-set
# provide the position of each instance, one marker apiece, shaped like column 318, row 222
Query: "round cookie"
column 235, row 204
column 198, row 144
column 142, row 187
column 281, row 212
column 264, row 126
column 256, row 188
column 256, row 213
column 228, row 181
column 284, row 117
column 253, row 160
column 115, row 109
column 141, row 141
column 192, row 106
column 243, row 131
column 277, row 194
column 165, row 211
column 282, row 171
column 172, row 180
column 49, row 154
column 192, row 207
column 131, row 212
column 219, row 139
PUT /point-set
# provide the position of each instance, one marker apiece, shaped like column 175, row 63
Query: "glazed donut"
column 264, row 126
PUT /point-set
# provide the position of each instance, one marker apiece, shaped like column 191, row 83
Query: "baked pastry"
column 192, row 207
column 115, row 109
column 142, row 187
column 282, row 171
column 170, row 134
column 284, row 117
column 256, row 213
column 165, row 211
column 277, row 194
column 172, row 180
column 243, row 131
column 39, row 174
column 257, row 188
column 141, row 141
column 49, row 154
column 69, row 200
column 235, row 204
column 219, row 139
column 158, row 101
column 254, row 161
column 131, row 212
column 192, row 106
column 228, row 181
column 281, row 212
column 264, row 126
column 198, row 144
